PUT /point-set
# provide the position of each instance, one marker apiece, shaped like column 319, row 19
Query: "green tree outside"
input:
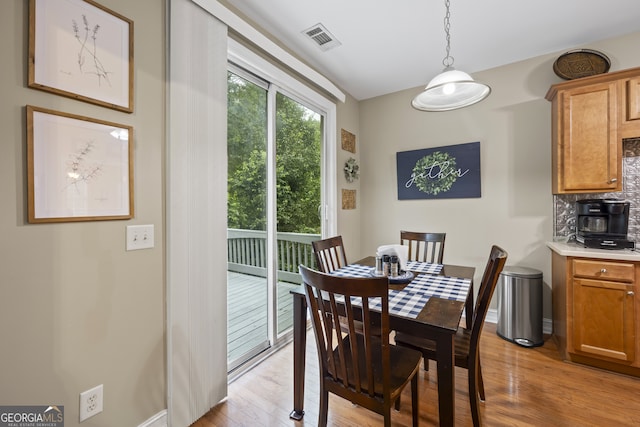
column 298, row 151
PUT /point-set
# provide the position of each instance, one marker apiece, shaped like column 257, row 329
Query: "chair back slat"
column 329, row 253
column 354, row 351
column 366, row 322
column 342, row 355
column 424, row 247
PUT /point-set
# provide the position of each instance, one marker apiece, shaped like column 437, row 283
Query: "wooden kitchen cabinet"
column 633, row 99
column 603, row 309
column 596, row 312
column 590, row 117
column 586, row 150
column 630, row 106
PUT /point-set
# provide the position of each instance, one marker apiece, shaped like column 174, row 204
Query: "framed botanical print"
column 78, row 168
column 82, row 50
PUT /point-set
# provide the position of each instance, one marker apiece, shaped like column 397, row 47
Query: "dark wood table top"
column 437, row 313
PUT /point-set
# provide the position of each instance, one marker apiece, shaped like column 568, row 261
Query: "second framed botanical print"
column 78, row 169
column 82, row 50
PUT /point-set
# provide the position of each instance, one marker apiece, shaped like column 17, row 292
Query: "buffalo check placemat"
column 424, row 267
column 353, row 270
column 400, row 303
column 453, row 288
column 404, row 303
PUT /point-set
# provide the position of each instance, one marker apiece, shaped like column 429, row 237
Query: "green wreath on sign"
column 431, row 175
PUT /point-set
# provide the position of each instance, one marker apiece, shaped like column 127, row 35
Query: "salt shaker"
column 379, row 267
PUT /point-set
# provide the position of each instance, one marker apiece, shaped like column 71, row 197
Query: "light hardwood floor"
column 524, row 387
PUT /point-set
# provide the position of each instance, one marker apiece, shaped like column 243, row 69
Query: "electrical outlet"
column 90, row 402
column 139, row 237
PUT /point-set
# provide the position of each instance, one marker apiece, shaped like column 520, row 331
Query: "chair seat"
column 404, row 362
column 462, row 341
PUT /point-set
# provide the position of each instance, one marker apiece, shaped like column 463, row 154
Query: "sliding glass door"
column 247, row 285
column 274, row 197
column 298, row 144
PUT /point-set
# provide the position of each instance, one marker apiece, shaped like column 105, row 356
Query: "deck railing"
column 247, row 253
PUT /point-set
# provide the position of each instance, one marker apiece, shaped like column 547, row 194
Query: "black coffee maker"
column 603, row 223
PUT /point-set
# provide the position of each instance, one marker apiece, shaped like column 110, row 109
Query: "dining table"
column 437, row 319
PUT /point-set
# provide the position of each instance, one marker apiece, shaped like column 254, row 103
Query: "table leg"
column 299, row 348
column 446, row 379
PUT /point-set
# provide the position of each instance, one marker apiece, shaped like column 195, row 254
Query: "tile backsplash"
column 564, row 204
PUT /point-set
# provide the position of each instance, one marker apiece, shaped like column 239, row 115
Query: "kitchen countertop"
column 574, row 249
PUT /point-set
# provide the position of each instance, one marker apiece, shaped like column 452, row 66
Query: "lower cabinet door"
column 603, row 319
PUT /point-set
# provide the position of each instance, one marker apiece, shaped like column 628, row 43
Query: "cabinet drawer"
column 603, row 270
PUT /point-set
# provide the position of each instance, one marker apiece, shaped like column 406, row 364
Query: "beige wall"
column 513, row 126
column 76, row 309
column 348, row 118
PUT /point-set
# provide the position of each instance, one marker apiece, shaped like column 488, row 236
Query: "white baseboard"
column 547, row 324
column 158, row 420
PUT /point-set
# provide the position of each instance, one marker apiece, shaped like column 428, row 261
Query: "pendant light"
column 451, row 89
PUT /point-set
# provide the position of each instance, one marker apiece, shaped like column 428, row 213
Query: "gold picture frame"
column 81, row 50
column 348, row 140
column 78, row 168
column 348, row 199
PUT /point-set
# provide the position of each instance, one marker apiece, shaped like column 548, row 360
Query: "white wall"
column 513, row 126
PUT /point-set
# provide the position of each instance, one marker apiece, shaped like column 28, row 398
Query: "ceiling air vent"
column 323, row 38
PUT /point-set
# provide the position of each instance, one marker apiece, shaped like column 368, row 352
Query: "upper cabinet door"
column 587, row 150
column 633, row 99
column 630, row 108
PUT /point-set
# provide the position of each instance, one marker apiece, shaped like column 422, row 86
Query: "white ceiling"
column 389, row 46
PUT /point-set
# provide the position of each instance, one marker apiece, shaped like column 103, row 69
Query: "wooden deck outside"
column 247, row 312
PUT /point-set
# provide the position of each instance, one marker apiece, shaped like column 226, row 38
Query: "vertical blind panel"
column 196, row 212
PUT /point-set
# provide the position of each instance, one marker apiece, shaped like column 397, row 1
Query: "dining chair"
column 357, row 366
column 329, row 253
column 467, row 341
column 424, row 247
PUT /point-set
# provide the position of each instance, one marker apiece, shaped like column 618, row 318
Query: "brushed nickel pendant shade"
column 451, row 89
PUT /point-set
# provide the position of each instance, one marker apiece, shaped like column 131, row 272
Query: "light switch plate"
column 140, row 237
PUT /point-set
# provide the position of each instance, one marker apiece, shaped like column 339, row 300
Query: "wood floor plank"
column 524, row 387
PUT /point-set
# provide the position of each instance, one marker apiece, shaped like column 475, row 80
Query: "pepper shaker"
column 385, row 264
column 393, row 266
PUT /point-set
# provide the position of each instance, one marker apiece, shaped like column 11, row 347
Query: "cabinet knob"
column 603, row 270
column 631, row 293
column 612, row 180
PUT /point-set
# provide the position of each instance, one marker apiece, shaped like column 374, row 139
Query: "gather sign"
column 439, row 173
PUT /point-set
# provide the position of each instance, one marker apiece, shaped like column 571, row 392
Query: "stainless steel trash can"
column 520, row 306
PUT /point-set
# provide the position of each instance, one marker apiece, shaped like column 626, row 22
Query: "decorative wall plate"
column 351, row 169
column 581, row 63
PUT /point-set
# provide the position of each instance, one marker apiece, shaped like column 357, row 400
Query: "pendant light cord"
column 448, row 60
